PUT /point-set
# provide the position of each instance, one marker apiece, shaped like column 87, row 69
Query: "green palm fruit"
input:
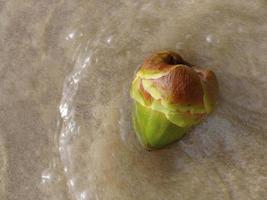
column 170, row 96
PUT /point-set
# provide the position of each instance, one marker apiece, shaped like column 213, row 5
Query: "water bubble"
column 209, row 38
column 109, row 39
column 70, row 36
column 48, row 176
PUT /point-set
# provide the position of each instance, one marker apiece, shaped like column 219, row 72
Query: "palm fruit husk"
column 170, row 97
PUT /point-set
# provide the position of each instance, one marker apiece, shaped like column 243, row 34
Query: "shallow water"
column 97, row 155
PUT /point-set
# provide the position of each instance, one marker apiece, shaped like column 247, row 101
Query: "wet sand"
column 65, row 109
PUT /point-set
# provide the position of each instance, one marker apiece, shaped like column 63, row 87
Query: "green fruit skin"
column 153, row 129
